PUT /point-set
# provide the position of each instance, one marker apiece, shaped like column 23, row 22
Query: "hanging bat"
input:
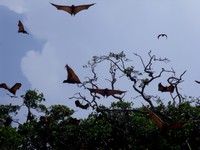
column 72, row 77
column 78, row 104
column 165, row 88
column 106, row 92
column 164, row 127
column 21, row 28
column 73, row 10
column 12, row 89
column 162, row 35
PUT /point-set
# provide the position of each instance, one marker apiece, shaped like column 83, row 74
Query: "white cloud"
column 74, row 40
column 17, row 6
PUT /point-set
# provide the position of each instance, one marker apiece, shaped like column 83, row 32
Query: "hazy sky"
column 57, row 38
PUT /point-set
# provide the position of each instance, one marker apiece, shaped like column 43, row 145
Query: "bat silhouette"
column 197, row 81
column 106, row 92
column 164, row 127
column 162, row 35
column 72, row 77
column 21, row 28
column 78, row 104
column 12, row 89
column 165, row 88
column 73, row 10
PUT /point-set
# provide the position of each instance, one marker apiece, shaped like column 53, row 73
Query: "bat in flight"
column 12, row 89
column 106, row 92
column 162, row 35
column 197, row 81
column 73, row 10
column 72, row 77
column 78, row 104
column 164, row 127
column 21, row 28
column 165, row 88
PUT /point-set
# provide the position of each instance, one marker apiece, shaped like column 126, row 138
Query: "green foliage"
column 119, row 126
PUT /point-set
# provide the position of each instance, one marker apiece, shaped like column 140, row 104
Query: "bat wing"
column 176, row 125
column 21, row 27
column 15, row 88
column 157, row 120
column 113, row 92
column 197, row 81
column 158, row 36
column 99, row 91
column 64, row 8
column 165, row 35
column 72, row 77
column 3, row 85
column 170, row 89
column 161, row 87
column 81, row 7
column 78, row 104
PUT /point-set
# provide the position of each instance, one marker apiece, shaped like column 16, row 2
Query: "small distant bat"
column 164, row 127
column 73, row 10
column 165, row 88
column 78, row 104
column 106, row 92
column 21, row 28
column 72, row 77
column 12, row 89
column 197, row 81
column 162, row 35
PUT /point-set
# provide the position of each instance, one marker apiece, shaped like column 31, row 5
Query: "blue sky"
column 57, row 38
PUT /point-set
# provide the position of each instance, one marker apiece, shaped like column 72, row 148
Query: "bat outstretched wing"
column 72, row 77
column 113, row 92
column 165, row 88
column 3, row 85
column 21, row 28
column 78, row 104
column 15, row 88
column 106, row 92
column 99, row 91
column 157, row 120
column 81, row 7
column 64, row 8
column 197, row 81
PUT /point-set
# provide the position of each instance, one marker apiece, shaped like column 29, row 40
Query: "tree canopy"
column 122, row 125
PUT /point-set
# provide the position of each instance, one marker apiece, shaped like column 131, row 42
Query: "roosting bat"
column 106, row 92
column 164, row 127
column 73, row 10
column 21, row 28
column 78, row 104
column 12, row 89
column 72, row 77
column 162, row 35
column 165, row 88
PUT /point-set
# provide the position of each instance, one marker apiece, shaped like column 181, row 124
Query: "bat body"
column 106, row 92
column 73, row 10
column 78, row 104
column 72, row 77
column 164, row 127
column 165, row 88
column 21, row 28
column 12, row 89
column 162, row 35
